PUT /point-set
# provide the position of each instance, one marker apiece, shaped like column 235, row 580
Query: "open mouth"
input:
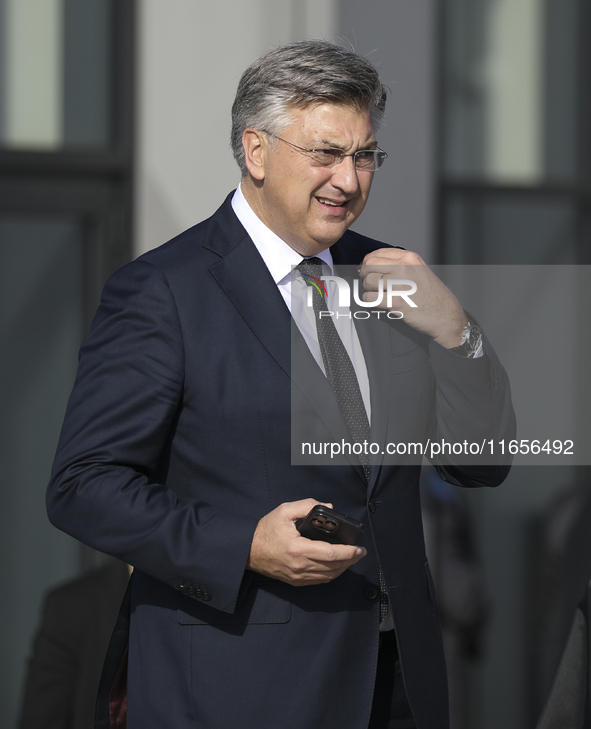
column 336, row 205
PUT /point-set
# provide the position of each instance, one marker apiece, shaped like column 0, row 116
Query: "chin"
column 335, row 235
column 319, row 241
column 323, row 242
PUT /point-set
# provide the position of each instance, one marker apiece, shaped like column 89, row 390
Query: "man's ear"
column 255, row 152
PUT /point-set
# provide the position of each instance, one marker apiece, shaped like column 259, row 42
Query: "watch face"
column 474, row 338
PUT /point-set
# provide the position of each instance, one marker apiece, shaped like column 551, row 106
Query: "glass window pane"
column 41, row 326
column 510, row 90
column 482, row 227
column 55, row 73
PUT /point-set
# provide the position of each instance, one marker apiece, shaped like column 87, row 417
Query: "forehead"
column 336, row 124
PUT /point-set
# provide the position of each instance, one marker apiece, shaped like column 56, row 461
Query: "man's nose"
column 344, row 175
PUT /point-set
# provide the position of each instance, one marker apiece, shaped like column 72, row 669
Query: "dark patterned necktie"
column 341, row 375
column 337, row 363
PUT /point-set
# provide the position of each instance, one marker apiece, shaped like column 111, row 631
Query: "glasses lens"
column 366, row 159
column 326, row 157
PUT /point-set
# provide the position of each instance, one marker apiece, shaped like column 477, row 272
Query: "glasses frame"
column 379, row 155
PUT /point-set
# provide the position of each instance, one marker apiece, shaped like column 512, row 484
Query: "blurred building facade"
column 114, row 127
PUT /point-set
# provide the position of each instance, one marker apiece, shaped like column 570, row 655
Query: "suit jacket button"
column 372, row 506
column 206, row 597
column 199, row 594
column 191, row 590
column 371, row 593
column 182, row 588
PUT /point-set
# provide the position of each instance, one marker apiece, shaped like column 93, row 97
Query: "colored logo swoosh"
column 317, row 283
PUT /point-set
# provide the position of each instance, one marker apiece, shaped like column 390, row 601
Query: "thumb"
column 299, row 509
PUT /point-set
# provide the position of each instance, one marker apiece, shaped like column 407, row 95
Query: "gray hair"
column 298, row 75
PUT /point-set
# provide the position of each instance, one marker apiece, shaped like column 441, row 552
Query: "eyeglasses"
column 367, row 160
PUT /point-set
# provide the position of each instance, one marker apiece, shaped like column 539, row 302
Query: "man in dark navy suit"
column 175, row 454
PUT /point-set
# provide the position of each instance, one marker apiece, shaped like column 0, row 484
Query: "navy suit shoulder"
column 213, row 237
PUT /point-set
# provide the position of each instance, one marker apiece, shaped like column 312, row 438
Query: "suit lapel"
column 246, row 281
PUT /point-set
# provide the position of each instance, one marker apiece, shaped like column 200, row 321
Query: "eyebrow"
column 332, row 145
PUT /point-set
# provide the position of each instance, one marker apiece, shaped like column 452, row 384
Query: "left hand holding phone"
column 279, row 551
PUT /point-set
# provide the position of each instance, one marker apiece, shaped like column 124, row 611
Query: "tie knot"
column 310, row 267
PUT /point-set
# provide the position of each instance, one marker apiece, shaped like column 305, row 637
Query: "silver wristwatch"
column 471, row 343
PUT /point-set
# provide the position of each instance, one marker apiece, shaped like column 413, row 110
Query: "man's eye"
column 326, row 156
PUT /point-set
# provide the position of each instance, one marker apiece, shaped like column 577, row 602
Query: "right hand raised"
column 278, row 550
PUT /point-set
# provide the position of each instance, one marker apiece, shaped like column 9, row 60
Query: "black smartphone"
column 330, row 526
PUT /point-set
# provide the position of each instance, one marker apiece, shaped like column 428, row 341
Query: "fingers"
column 399, row 269
column 316, row 562
column 331, row 555
column 389, row 257
column 293, row 510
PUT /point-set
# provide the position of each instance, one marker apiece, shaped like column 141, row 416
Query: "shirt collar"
column 279, row 257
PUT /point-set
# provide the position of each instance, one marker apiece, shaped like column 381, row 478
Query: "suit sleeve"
column 106, row 487
column 472, row 406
